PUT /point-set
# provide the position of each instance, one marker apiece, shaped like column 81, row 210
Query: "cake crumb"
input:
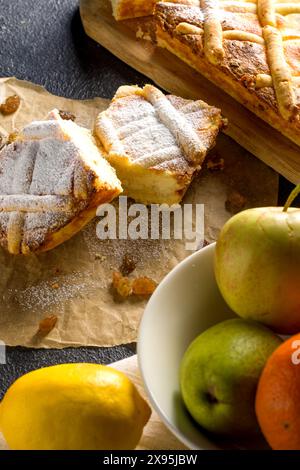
column 235, row 202
column 100, row 257
column 215, row 163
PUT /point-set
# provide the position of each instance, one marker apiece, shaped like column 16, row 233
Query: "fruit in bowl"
column 278, row 397
column 257, row 261
column 219, row 375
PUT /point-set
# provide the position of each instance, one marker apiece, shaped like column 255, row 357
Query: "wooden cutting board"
column 171, row 74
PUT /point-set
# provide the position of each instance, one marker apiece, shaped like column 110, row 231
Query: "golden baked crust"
column 52, row 179
column 155, row 142
column 124, row 9
column 250, row 49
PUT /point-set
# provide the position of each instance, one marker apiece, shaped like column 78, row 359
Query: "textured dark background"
column 43, row 41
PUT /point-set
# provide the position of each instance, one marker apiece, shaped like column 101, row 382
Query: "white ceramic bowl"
column 186, row 303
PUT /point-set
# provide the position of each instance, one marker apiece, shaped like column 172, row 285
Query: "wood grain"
column 171, row 74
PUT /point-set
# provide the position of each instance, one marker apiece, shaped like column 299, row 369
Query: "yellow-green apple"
column 219, row 375
column 257, row 266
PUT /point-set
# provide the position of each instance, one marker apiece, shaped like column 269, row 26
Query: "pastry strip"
column 213, row 34
column 280, row 71
column 238, row 35
column 266, row 12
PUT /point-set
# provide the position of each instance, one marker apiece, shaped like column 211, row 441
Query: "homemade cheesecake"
column 52, row 179
column 250, row 49
column 156, row 143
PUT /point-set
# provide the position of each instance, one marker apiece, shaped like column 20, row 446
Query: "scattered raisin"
column 127, row 266
column 10, row 105
column 122, row 284
column 235, row 202
column 47, row 324
column 140, row 286
column 143, row 286
column 67, row 116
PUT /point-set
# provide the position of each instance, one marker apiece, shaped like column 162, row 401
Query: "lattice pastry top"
column 51, row 181
column 249, row 48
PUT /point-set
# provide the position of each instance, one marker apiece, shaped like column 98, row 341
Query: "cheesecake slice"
column 53, row 177
column 156, row 143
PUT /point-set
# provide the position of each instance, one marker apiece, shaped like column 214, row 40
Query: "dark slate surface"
column 43, row 41
column 21, row 360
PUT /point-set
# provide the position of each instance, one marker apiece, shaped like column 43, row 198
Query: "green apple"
column 219, row 375
column 257, row 266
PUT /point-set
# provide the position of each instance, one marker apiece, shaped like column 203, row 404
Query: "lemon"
column 73, row 407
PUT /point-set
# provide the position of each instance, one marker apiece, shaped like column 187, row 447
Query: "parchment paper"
column 73, row 281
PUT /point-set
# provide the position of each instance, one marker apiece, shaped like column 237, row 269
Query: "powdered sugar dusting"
column 112, row 252
column 151, row 126
column 38, row 174
column 146, row 253
column 46, row 294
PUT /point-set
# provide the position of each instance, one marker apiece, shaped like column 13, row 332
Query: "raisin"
column 143, row 286
column 127, row 266
column 122, row 284
column 47, row 324
column 10, row 105
column 67, row 116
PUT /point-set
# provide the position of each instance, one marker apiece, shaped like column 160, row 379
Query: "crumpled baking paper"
column 73, row 281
